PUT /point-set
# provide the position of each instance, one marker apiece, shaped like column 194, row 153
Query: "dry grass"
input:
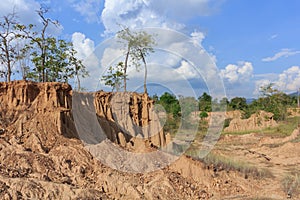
column 283, row 129
column 219, row 163
column 291, row 184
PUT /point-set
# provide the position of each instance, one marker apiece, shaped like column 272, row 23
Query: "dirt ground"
column 280, row 156
column 42, row 157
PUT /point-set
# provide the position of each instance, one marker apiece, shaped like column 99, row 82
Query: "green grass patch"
column 241, row 132
column 284, row 128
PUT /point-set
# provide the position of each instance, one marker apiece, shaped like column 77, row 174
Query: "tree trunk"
column 145, row 79
column 43, row 67
column 145, row 76
column 8, row 72
column 125, row 68
column 78, row 83
column 8, row 68
column 6, row 47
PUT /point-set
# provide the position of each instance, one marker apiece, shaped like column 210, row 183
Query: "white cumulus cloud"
column 186, row 71
column 133, row 14
column 260, row 83
column 197, row 37
column 84, row 46
column 237, row 73
column 289, row 80
column 153, row 13
column 85, row 51
column 111, row 56
column 26, row 13
column 167, row 15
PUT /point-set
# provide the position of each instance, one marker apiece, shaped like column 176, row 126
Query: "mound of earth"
column 261, row 119
column 292, row 112
column 44, row 154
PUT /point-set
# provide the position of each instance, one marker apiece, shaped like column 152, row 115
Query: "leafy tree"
column 115, row 76
column 42, row 44
column 60, row 65
column 170, row 103
column 238, row 103
column 224, row 102
column 275, row 101
column 205, row 101
column 268, row 90
column 54, row 59
column 138, row 45
column 271, row 100
column 23, row 57
column 56, row 64
column 203, row 115
column 155, row 97
column 8, row 45
column 79, row 68
column 2, row 73
column 172, row 108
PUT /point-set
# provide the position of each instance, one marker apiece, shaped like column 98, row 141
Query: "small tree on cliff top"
column 41, row 45
column 8, row 45
column 114, row 77
column 138, row 45
column 54, row 59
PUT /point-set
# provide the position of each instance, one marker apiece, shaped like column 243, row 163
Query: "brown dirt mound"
column 42, row 157
column 256, row 121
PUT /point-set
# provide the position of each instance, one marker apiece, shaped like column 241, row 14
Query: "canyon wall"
column 127, row 119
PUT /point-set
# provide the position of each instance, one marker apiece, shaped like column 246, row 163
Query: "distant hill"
column 250, row 100
column 294, row 94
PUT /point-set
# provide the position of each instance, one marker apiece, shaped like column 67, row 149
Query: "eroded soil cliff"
column 43, row 156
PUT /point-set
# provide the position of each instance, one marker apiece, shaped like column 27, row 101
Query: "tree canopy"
column 51, row 59
column 8, row 44
column 137, row 45
column 205, row 101
column 115, row 77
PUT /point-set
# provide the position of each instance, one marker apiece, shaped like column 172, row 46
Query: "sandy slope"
column 42, row 157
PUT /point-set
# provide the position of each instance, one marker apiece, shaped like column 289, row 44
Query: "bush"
column 227, row 122
column 203, row 114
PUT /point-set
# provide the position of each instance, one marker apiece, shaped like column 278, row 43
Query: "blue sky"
column 252, row 42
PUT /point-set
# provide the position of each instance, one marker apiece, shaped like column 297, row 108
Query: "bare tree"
column 7, row 44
